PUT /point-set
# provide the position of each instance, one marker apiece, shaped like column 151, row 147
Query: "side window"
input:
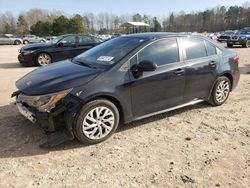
column 195, row 48
column 69, row 41
column 85, row 39
column 96, row 39
column 161, row 52
column 211, row 49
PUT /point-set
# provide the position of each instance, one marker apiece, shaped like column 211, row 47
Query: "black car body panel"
column 40, row 81
column 168, row 86
column 28, row 54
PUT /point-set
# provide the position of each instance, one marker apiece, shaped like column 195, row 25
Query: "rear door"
column 85, row 43
column 162, row 88
column 201, row 64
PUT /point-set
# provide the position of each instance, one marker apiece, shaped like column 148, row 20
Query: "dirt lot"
column 198, row 146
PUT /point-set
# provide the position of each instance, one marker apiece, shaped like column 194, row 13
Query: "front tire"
column 96, row 121
column 220, row 92
column 43, row 59
column 25, row 42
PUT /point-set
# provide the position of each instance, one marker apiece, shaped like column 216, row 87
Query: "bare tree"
column 7, row 23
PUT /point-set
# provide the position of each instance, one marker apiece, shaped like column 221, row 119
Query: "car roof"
column 157, row 35
column 67, row 35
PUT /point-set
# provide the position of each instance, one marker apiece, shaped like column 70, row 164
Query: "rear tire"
column 96, row 121
column 221, row 91
column 25, row 42
column 17, row 42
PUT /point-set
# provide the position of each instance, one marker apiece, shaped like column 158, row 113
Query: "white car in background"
column 105, row 37
column 212, row 36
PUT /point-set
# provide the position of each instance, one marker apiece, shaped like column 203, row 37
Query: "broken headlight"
column 43, row 103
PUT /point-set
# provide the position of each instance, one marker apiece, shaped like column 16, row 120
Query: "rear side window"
column 211, row 49
column 195, row 48
column 85, row 39
column 161, row 52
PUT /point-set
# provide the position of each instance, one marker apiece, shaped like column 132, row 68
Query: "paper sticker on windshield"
column 105, row 58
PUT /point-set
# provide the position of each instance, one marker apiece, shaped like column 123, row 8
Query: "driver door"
column 160, row 89
column 66, row 48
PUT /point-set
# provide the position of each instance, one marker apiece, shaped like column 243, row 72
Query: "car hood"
column 36, row 46
column 56, row 77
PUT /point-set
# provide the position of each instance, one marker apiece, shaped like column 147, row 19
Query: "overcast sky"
column 153, row 7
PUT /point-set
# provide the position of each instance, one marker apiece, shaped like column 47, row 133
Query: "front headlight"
column 243, row 38
column 27, row 52
column 43, row 103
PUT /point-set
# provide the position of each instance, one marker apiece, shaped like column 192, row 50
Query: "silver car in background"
column 10, row 39
column 32, row 39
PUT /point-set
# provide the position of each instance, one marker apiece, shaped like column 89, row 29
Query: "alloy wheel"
column 222, row 91
column 43, row 59
column 98, row 123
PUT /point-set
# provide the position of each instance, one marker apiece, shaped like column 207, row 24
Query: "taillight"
column 237, row 59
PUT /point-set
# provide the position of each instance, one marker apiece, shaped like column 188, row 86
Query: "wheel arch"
column 226, row 74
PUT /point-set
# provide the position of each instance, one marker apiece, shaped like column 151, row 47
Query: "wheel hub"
column 222, row 91
column 98, row 123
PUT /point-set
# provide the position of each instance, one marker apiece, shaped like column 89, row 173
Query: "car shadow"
column 19, row 137
column 11, row 65
column 245, row 69
column 235, row 46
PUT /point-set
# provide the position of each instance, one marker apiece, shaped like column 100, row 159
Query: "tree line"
column 43, row 22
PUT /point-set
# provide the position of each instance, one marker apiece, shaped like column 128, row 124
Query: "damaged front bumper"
column 60, row 117
column 25, row 112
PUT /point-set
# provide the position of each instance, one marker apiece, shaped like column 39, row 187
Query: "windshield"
column 229, row 33
column 55, row 40
column 110, row 52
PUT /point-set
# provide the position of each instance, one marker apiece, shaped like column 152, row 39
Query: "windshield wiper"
column 84, row 63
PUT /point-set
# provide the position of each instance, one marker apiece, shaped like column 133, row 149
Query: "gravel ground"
column 198, row 146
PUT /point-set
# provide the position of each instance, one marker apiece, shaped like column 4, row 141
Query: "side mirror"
column 143, row 66
column 146, row 66
column 60, row 44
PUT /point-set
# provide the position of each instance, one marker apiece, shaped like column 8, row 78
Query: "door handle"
column 212, row 63
column 179, row 71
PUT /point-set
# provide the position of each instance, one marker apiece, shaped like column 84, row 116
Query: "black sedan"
column 61, row 48
column 127, row 79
